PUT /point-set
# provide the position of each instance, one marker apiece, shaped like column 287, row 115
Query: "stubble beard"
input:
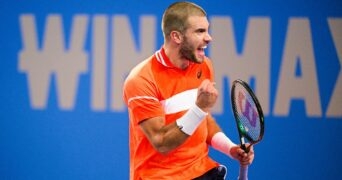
column 187, row 51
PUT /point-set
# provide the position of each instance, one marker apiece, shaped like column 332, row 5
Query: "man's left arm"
column 219, row 141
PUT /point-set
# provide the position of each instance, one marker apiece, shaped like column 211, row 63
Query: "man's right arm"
column 163, row 138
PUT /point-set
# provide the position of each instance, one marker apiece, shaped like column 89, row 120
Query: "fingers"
column 207, row 95
column 244, row 158
column 242, row 154
column 204, row 86
column 208, row 88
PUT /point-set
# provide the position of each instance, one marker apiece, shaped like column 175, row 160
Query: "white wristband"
column 189, row 122
column 222, row 143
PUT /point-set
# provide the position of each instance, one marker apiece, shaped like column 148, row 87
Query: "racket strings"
column 248, row 115
column 251, row 131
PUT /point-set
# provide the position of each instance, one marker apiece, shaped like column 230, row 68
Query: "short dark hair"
column 176, row 16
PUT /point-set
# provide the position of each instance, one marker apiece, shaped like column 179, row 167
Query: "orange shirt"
column 156, row 88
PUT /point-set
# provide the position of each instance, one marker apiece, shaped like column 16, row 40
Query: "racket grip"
column 243, row 173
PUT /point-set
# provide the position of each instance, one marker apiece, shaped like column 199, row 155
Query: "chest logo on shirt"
column 199, row 74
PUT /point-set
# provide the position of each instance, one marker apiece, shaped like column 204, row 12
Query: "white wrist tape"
column 189, row 122
column 222, row 143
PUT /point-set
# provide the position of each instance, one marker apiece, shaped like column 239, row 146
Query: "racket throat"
column 243, row 145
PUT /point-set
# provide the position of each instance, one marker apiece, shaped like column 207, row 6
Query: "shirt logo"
column 199, row 74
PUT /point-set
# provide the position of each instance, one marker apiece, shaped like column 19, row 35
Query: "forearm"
column 217, row 139
column 169, row 138
column 222, row 143
column 165, row 138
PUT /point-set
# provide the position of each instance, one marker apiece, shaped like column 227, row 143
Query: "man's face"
column 195, row 39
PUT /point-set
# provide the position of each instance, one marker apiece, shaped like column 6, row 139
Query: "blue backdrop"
column 63, row 64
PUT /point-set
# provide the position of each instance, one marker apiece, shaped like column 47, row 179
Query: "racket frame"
column 240, row 127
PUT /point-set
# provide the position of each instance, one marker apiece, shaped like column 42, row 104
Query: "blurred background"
column 63, row 64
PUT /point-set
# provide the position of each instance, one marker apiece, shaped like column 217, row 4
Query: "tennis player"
column 169, row 96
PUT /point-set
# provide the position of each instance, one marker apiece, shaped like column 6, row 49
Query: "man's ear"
column 176, row 36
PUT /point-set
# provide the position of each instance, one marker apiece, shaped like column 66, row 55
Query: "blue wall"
column 63, row 63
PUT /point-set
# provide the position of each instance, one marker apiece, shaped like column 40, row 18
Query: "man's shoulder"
column 142, row 68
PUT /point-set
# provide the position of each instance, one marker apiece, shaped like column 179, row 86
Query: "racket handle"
column 243, row 173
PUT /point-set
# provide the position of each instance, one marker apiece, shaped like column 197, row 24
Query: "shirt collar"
column 164, row 60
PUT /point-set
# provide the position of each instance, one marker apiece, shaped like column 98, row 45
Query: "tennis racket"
column 249, row 118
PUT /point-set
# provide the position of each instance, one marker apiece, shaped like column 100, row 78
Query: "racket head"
column 247, row 112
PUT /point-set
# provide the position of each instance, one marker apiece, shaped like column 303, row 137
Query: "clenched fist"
column 206, row 95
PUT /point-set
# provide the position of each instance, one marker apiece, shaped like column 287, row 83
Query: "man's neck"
column 173, row 54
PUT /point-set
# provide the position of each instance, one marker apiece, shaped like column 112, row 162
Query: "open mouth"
column 201, row 50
